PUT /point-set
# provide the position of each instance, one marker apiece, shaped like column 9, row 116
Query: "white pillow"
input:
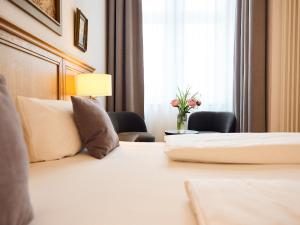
column 49, row 128
column 247, row 148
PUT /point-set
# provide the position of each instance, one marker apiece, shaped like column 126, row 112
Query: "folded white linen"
column 247, row 202
column 251, row 148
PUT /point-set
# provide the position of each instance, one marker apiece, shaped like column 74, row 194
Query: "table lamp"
column 93, row 85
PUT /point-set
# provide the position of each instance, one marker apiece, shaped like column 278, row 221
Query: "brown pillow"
column 14, row 197
column 95, row 127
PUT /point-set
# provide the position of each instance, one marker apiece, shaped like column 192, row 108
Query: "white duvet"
column 251, row 148
column 135, row 184
column 245, row 201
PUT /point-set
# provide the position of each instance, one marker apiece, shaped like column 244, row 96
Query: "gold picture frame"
column 55, row 24
column 81, row 31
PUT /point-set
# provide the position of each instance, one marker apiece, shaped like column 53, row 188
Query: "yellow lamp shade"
column 93, row 85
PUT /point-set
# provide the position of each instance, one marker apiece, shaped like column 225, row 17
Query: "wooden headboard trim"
column 66, row 66
column 16, row 31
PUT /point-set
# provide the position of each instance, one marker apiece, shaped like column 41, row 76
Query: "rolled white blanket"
column 246, row 202
column 250, row 148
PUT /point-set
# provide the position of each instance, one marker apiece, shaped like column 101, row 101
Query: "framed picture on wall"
column 47, row 12
column 81, row 30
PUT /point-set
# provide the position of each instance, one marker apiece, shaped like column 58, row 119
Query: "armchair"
column 130, row 127
column 222, row 122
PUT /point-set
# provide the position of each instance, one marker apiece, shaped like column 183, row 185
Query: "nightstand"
column 176, row 132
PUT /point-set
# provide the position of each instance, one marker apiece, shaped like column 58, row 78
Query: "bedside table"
column 176, row 132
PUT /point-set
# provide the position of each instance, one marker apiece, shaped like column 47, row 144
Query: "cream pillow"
column 49, row 128
column 239, row 148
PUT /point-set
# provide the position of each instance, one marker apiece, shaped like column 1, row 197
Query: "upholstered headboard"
column 34, row 68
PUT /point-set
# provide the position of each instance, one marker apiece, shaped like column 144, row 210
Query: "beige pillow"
column 49, row 128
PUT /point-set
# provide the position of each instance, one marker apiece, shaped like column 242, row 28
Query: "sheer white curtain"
column 187, row 43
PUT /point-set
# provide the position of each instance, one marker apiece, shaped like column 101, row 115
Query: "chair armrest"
column 127, row 122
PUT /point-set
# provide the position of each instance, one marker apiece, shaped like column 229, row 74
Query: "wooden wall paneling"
column 34, row 68
column 26, row 36
column 29, row 70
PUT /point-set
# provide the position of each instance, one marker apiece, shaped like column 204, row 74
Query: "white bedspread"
column 244, row 201
column 256, row 148
column 134, row 185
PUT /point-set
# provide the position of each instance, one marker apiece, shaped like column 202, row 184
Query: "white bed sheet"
column 134, row 185
column 245, row 201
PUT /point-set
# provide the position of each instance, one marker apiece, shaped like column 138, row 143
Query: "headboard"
column 34, row 68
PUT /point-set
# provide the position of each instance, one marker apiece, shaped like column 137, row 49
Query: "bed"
column 135, row 184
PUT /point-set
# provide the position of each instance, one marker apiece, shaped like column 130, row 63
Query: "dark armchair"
column 222, row 122
column 130, row 127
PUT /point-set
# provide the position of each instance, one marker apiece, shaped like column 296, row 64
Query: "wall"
column 94, row 10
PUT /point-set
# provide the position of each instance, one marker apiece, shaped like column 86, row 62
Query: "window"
column 187, row 43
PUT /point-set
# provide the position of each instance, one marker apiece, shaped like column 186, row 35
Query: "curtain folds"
column 250, row 66
column 125, row 55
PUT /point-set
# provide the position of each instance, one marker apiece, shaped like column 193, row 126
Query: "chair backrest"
column 223, row 122
column 127, row 122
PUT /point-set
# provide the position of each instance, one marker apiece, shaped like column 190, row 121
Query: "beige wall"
column 94, row 10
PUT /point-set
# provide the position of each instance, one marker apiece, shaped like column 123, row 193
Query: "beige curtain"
column 250, row 66
column 125, row 55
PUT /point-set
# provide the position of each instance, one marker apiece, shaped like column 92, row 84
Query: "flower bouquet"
column 185, row 102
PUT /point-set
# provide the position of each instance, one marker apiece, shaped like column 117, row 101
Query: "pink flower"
column 192, row 102
column 175, row 102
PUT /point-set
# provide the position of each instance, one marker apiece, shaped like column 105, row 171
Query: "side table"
column 176, row 132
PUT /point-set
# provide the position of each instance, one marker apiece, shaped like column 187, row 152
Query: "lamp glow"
column 93, row 85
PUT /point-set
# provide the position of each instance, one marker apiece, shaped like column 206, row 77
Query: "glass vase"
column 181, row 122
